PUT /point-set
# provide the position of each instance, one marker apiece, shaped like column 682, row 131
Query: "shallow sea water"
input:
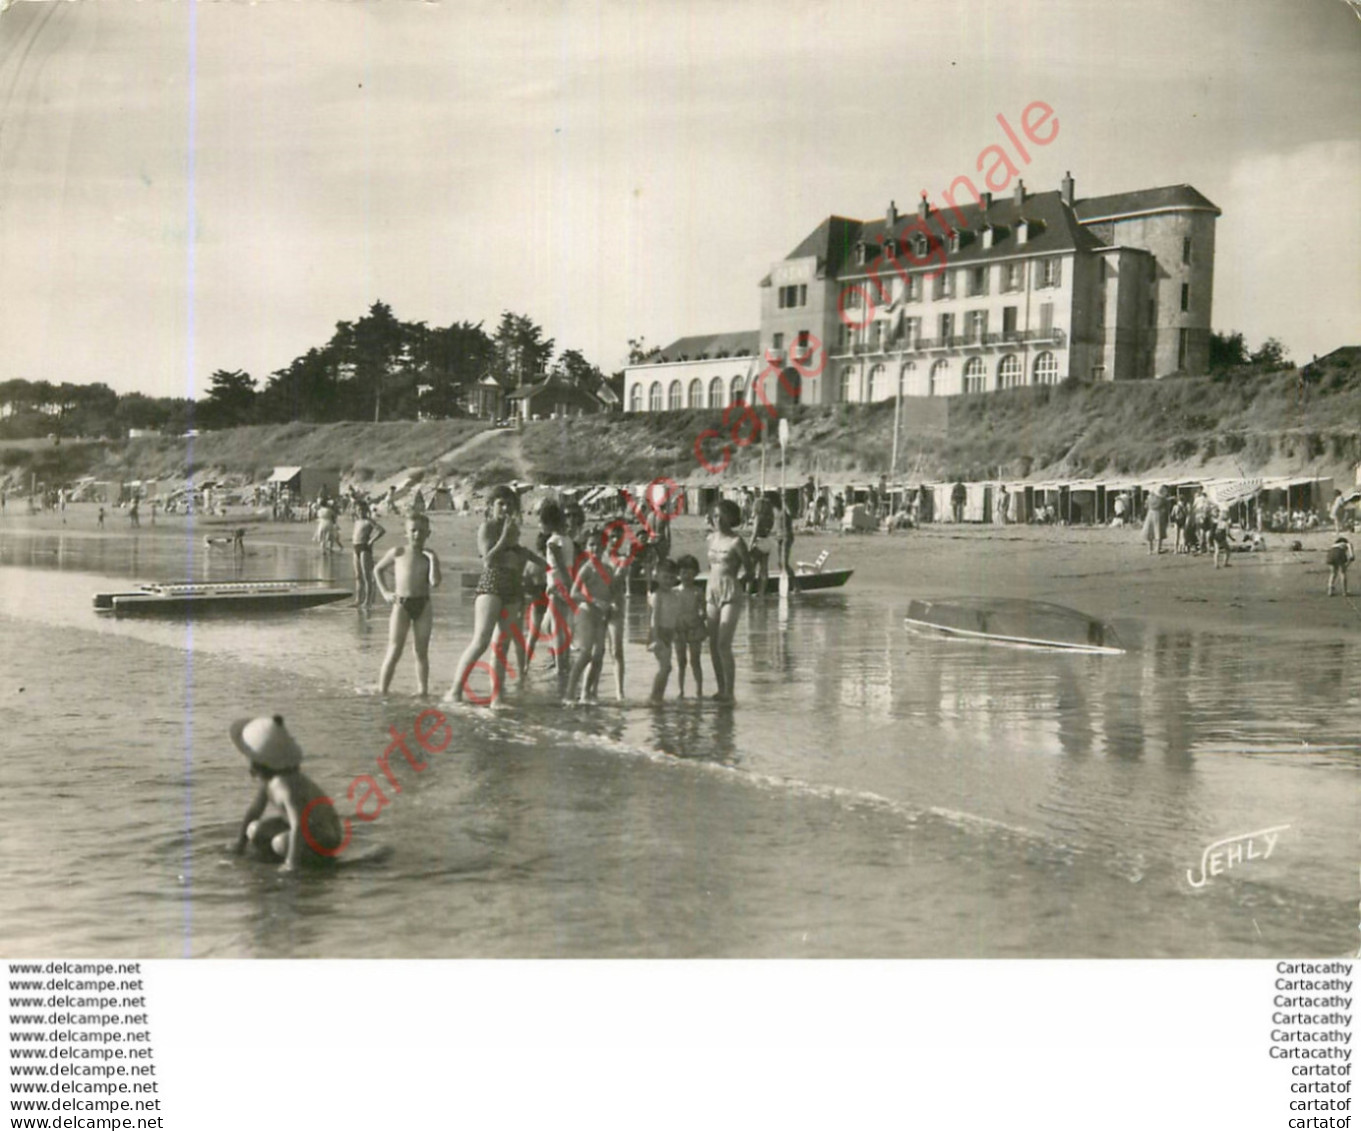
column 873, row 794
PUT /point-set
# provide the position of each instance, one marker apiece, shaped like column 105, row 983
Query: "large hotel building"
column 1004, row 291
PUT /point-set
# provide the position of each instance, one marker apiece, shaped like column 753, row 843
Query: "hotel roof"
column 743, row 343
column 1053, row 229
column 1166, row 199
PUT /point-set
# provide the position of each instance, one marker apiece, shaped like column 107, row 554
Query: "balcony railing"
column 1052, row 336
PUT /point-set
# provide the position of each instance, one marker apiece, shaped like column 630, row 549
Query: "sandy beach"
column 1102, row 571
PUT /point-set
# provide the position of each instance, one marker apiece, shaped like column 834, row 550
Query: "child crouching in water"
column 691, row 631
column 663, row 618
column 283, row 822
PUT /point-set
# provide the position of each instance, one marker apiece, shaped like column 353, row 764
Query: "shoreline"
column 1103, row 571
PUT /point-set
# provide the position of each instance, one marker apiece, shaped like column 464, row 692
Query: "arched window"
column 975, row 375
column 879, row 383
column 847, row 386
column 716, row 393
column 673, row 400
column 737, row 388
column 636, row 398
column 1009, row 372
column 696, row 399
column 1046, row 369
column 907, row 379
column 940, row 374
column 654, row 397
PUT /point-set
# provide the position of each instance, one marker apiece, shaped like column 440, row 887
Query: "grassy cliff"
column 1241, row 424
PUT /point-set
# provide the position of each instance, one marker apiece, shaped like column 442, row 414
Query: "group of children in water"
column 568, row 591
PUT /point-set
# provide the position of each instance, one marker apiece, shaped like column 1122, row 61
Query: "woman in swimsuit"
column 728, row 559
column 498, row 589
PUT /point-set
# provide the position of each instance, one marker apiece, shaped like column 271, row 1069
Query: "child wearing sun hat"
column 290, row 818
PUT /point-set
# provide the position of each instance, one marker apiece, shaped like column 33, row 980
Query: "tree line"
column 381, row 368
column 375, row 368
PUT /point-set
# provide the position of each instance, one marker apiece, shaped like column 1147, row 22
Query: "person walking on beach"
column 1338, row 509
column 367, row 530
column 1340, row 556
column 415, row 573
column 132, row 511
column 1155, row 520
column 729, row 560
column 101, row 517
column 499, row 587
column 1178, row 518
column 784, row 538
column 327, row 535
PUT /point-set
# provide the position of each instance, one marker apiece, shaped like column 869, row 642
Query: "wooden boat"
column 170, row 598
column 998, row 620
column 801, row 582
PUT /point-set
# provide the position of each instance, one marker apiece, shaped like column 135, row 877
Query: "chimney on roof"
column 984, row 203
column 891, row 216
column 1066, row 186
column 1020, row 194
column 923, row 207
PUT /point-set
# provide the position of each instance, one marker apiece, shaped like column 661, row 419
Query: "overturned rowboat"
column 195, row 598
column 1014, row 621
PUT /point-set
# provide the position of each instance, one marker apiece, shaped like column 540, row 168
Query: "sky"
column 187, row 187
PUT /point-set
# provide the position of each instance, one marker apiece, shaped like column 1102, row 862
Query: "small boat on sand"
column 800, row 582
column 1015, row 621
column 196, row 598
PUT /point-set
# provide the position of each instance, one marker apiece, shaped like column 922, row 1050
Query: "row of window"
column 1010, row 374
column 975, row 326
column 968, row 281
column 720, row 395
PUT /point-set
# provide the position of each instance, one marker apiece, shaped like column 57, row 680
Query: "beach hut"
column 305, row 483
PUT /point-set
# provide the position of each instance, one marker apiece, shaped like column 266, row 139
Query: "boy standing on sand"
column 367, row 531
column 1340, row 556
column 415, row 573
column 284, row 820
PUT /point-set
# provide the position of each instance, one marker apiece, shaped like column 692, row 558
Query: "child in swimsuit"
column 596, row 592
column 561, row 556
column 1340, row 556
column 663, row 619
column 728, row 560
column 535, row 583
column 498, row 588
column 290, row 818
column 691, row 631
column 415, row 573
column 367, row 531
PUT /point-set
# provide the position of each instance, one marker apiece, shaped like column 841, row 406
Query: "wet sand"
column 1102, row 571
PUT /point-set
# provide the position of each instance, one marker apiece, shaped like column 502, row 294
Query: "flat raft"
column 164, row 598
column 1015, row 621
